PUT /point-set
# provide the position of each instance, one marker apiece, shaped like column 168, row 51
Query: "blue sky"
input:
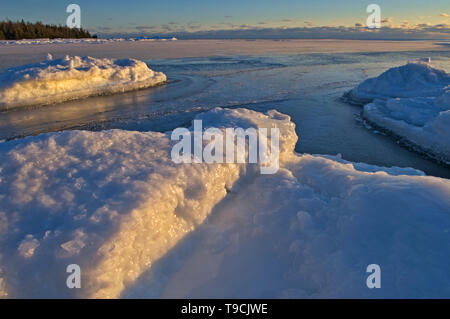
column 208, row 16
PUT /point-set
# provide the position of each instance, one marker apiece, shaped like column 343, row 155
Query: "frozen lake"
column 304, row 79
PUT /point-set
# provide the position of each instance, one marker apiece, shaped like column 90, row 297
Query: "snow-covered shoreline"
column 114, row 203
column 81, row 41
column 411, row 102
column 69, row 78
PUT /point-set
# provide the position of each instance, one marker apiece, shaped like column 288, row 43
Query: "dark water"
column 308, row 87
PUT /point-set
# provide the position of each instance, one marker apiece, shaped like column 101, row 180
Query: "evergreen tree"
column 26, row 30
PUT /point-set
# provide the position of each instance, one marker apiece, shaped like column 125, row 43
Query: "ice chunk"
column 310, row 231
column 416, row 79
column 412, row 102
column 28, row 246
column 58, row 80
column 75, row 245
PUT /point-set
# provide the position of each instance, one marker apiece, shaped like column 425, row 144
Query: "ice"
column 418, row 78
column 139, row 225
column 310, row 231
column 69, row 78
column 28, row 246
column 81, row 41
column 412, row 102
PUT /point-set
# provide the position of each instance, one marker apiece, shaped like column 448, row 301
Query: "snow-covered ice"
column 81, row 41
column 68, row 78
column 310, row 231
column 418, row 78
column 411, row 101
column 114, row 203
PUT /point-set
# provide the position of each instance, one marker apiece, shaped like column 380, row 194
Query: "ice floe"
column 412, row 102
column 68, row 78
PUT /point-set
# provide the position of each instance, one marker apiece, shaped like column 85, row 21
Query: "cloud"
column 446, row 15
column 439, row 31
column 262, row 22
column 405, row 31
column 309, row 23
column 387, row 20
column 104, row 29
column 194, row 26
column 144, row 28
column 443, row 26
column 167, row 28
column 287, row 20
column 405, row 24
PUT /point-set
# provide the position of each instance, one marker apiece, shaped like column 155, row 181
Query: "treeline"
column 19, row 30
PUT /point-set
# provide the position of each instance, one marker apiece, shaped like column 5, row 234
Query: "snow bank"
column 114, row 203
column 411, row 101
column 58, row 80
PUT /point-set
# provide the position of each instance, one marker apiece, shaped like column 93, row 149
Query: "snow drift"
column 69, row 78
column 139, row 225
column 411, row 101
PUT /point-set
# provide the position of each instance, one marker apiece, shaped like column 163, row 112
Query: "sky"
column 243, row 18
